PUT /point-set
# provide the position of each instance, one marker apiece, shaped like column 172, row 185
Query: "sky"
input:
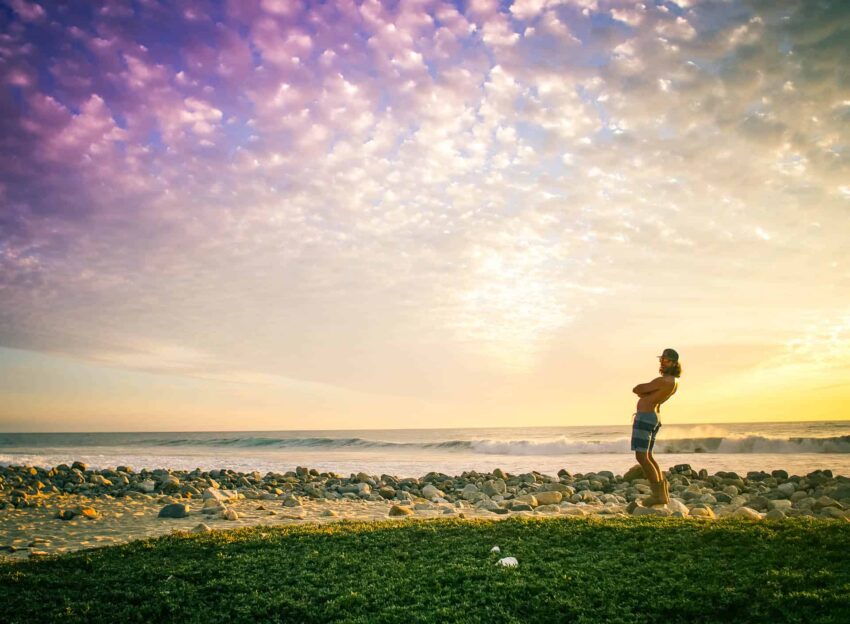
column 271, row 215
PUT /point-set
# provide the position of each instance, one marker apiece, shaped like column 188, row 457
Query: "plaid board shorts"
column 644, row 429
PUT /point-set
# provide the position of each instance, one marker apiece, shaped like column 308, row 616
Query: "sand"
column 36, row 531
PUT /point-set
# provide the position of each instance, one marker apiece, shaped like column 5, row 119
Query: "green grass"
column 571, row 570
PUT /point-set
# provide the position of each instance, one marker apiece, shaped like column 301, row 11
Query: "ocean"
column 797, row 447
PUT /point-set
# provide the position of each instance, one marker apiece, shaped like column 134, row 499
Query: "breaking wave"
column 540, row 447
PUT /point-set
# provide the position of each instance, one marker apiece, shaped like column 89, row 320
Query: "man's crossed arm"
column 648, row 388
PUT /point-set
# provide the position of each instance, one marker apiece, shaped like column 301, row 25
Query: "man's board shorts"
column 644, row 430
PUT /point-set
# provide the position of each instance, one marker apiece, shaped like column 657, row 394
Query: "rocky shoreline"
column 35, row 501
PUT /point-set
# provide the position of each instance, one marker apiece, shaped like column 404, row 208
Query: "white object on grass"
column 508, row 562
column 496, row 549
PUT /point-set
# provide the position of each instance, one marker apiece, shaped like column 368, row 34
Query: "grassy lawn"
column 570, row 570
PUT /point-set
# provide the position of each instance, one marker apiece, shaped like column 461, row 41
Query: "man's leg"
column 655, row 465
column 650, row 468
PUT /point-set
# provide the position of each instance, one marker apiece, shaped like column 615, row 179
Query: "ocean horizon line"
column 625, row 423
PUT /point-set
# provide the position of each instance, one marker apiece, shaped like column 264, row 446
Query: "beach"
column 73, row 507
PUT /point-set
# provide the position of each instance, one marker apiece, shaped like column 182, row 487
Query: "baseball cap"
column 670, row 354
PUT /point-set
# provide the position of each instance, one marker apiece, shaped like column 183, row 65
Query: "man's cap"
column 670, row 354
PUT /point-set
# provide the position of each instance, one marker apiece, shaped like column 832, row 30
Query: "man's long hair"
column 675, row 369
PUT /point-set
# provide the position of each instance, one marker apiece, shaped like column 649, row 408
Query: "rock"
column 470, row 492
column 78, row 465
column 329, row 513
column 508, row 562
column 212, row 506
column 430, row 492
column 833, row 512
column 147, row 485
column 551, row 508
column 494, row 487
column 780, row 504
column 746, row 512
column 759, row 503
column 651, row 511
column 677, row 506
column 573, row 511
column 701, row 512
column 819, row 477
column 398, row 510
column 231, row 514
column 89, row 513
column 201, row 528
column 826, row 501
column 841, row 492
column 495, row 549
column 386, row 492
column 528, row 499
column 548, row 498
column 786, row 489
column 497, row 473
column 487, row 504
column 218, row 494
column 174, row 510
column 586, row 496
column 635, row 472
column 292, row 501
column 170, row 485
column 775, row 514
column 66, row 514
column 779, row 474
column 521, row 507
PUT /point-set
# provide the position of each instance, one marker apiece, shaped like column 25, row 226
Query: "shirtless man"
column 646, row 424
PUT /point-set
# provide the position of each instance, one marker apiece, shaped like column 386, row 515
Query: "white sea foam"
column 791, row 446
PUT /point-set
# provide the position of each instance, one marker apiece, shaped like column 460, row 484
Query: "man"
column 646, row 424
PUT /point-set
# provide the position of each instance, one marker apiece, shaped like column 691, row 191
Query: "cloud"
column 296, row 189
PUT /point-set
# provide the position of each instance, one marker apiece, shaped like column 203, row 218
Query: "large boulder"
column 747, row 513
column 528, row 499
column 548, row 498
column 217, row 494
column 635, row 472
column 174, row 510
column 399, row 511
column 701, row 512
column 494, row 487
column 786, row 489
column 430, row 492
column 471, row 492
